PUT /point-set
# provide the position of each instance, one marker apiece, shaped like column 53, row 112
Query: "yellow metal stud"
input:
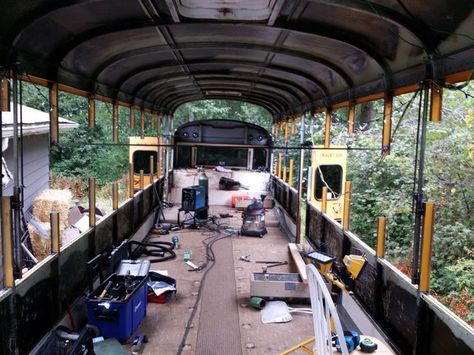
column 290, row 177
column 160, row 155
column 92, row 202
column 387, row 124
column 427, row 246
column 152, row 169
column 436, row 102
column 115, row 196
column 132, row 118
column 53, row 114
column 142, row 123
column 381, row 235
column 115, row 121
column 131, row 183
column 142, row 180
column 279, row 165
column 7, row 242
column 327, row 129
column 91, row 111
column 286, row 131
column 324, row 199
column 347, row 205
column 55, row 232
column 351, row 118
column 5, row 95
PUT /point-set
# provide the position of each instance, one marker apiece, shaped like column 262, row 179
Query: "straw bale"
column 53, row 201
column 41, row 245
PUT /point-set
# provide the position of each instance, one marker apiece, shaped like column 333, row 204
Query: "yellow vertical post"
column 131, row 183
column 293, row 126
column 91, row 111
column 381, row 234
column 290, row 177
column 347, row 205
column 152, row 169
column 324, row 199
column 387, row 123
column 53, row 114
column 115, row 121
column 158, row 123
column 142, row 121
column 279, row 165
column 132, row 117
column 351, row 118
column 91, row 202
column 426, row 246
column 286, row 131
column 7, row 242
column 55, row 232
column 327, row 129
column 158, row 163
column 115, row 196
column 436, row 102
column 142, row 180
column 5, row 95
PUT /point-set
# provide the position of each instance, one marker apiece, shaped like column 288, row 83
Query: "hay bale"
column 53, row 201
column 40, row 239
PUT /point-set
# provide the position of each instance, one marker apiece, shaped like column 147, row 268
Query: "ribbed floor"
column 219, row 326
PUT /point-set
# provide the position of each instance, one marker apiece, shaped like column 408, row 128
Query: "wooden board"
column 299, row 262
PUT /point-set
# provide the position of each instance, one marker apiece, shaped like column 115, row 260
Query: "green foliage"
column 384, row 186
column 223, row 109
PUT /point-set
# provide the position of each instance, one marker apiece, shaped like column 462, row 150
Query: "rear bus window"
column 331, row 177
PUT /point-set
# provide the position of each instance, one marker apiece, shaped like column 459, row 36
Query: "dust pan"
column 275, row 312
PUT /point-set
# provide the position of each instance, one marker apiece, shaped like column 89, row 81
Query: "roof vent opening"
column 232, row 10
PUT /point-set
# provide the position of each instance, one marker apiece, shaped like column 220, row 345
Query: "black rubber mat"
column 219, row 326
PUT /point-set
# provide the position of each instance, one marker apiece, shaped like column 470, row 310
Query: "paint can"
column 257, row 302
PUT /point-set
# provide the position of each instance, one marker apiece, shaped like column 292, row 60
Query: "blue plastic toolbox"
column 119, row 311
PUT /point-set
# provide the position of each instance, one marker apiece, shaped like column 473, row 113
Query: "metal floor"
column 223, row 322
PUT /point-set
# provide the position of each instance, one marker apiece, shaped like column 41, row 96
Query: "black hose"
column 157, row 249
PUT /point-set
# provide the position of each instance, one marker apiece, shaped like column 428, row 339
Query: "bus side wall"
column 42, row 298
column 385, row 293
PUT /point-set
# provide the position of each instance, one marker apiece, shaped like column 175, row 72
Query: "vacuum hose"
column 157, row 249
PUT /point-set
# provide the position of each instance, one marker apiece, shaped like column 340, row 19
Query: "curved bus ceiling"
column 287, row 56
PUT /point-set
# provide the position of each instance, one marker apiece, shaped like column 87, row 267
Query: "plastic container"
column 118, row 318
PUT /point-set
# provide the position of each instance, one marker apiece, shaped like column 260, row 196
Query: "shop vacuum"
column 253, row 220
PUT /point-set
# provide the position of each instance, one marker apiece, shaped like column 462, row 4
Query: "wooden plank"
column 299, row 262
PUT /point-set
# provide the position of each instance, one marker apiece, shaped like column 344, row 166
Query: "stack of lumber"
column 40, row 231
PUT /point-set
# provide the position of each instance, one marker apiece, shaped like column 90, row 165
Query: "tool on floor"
column 137, row 345
column 192, row 265
column 368, row 346
column 352, row 340
column 245, row 258
column 265, row 267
